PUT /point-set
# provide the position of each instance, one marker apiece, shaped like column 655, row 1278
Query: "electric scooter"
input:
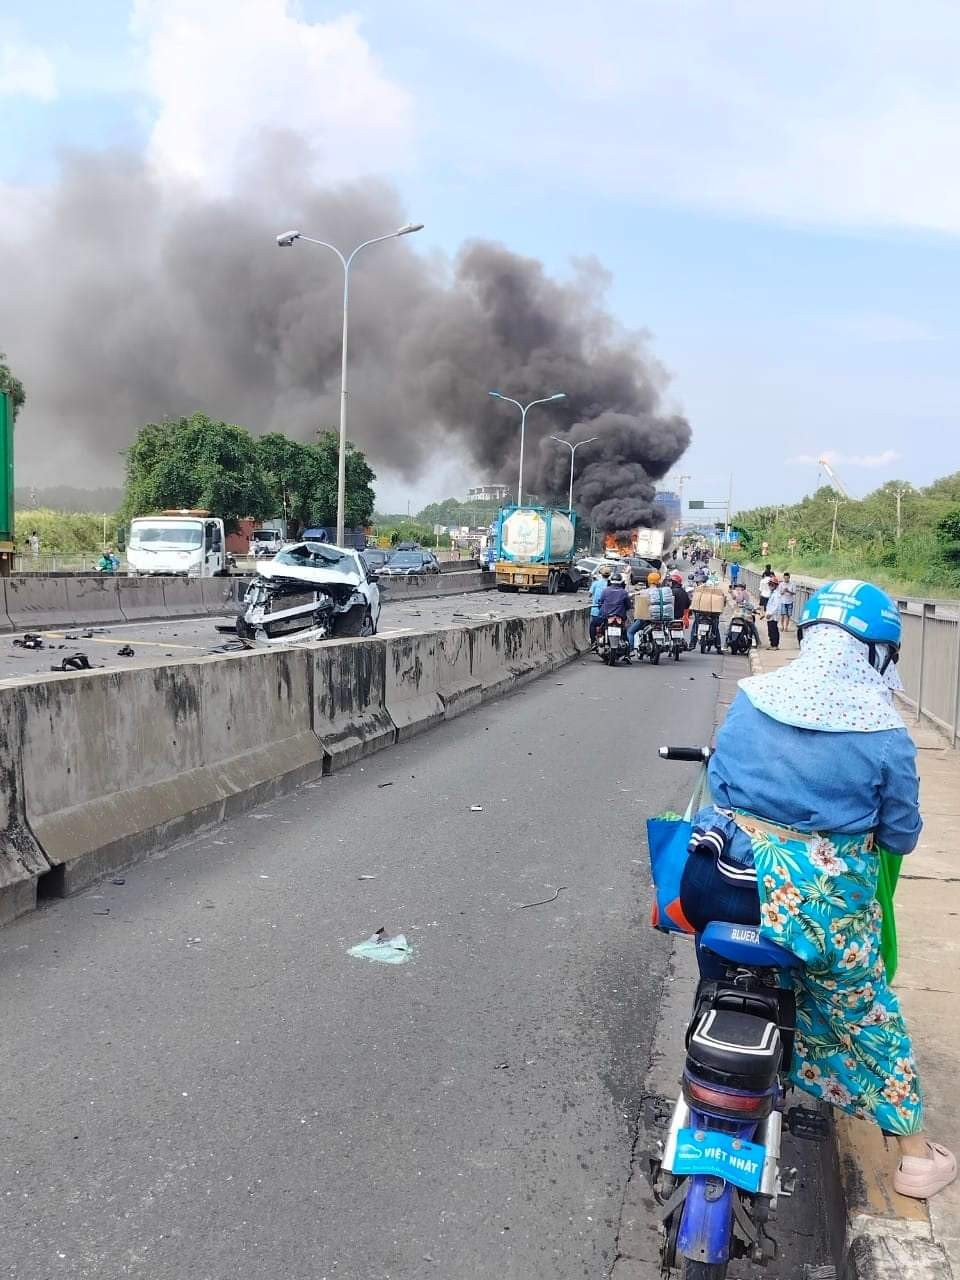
column 717, row 1176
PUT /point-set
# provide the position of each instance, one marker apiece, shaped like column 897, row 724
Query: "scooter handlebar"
column 698, row 755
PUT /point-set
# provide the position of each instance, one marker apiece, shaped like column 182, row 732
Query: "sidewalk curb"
column 888, row 1236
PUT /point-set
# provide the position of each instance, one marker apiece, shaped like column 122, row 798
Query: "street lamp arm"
column 376, row 240
column 326, row 245
column 509, row 399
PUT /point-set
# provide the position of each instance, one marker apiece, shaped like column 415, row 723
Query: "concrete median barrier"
column 256, row 725
column 141, row 599
column 5, row 623
column 37, row 604
column 349, row 715
column 93, row 601
column 112, row 768
column 435, row 584
column 221, row 596
column 183, row 597
column 411, row 691
column 21, row 858
column 459, row 689
column 118, row 764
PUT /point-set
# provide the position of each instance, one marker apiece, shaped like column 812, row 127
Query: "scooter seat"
column 744, row 944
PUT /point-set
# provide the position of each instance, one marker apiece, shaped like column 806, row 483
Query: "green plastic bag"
column 888, row 873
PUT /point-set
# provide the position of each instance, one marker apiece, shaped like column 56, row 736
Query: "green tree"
column 11, row 383
column 196, row 462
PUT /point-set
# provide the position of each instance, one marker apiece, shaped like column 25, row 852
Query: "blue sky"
column 771, row 185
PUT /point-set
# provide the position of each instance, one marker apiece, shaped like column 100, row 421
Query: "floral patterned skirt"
column 818, row 899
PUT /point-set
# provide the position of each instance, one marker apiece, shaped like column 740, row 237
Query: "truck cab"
column 191, row 544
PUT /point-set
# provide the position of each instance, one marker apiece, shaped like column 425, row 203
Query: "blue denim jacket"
column 812, row 781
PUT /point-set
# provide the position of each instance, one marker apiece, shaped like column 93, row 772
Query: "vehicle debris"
column 366, row 877
column 76, row 662
column 381, row 785
column 542, row 902
column 118, row 880
column 476, row 808
column 383, row 949
column 86, row 635
column 101, row 911
column 126, row 652
column 29, row 641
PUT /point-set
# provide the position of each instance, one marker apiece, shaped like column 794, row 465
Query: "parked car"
column 310, row 591
column 375, row 558
column 402, row 564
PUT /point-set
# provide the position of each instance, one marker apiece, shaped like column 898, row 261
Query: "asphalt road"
column 203, row 1083
column 155, row 643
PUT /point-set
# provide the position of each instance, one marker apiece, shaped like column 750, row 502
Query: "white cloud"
column 26, row 72
column 228, row 72
column 835, row 459
column 803, row 111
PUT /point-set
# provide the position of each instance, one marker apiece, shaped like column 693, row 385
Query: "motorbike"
column 677, row 639
column 717, row 1175
column 612, row 641
column 740, row 633
column 706, row 632
column 653, row 640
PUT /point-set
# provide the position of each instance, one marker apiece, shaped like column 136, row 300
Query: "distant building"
column 488, row 493
column 671, row 506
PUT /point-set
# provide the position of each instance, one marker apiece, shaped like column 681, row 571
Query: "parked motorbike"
column 717, row 1176
column 741, row 631
column 612, row 641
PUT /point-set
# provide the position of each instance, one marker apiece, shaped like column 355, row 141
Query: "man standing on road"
column 773, row 614
column 734, row 573
column 788, row 593
column 34, row 541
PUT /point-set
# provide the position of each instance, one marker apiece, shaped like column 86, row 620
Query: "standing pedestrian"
column 723, row 569
column 734, row 573
column 788, row 594
column 34, row 541
column 773, row 614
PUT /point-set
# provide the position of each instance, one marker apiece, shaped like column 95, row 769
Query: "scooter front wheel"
column 703, row 1270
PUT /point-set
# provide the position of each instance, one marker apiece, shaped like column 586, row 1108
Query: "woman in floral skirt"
column 813, row 772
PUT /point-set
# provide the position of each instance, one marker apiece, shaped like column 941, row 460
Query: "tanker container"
column 535, row 550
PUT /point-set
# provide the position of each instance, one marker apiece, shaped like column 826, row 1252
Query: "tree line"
column 900, row 533
column 221, row 467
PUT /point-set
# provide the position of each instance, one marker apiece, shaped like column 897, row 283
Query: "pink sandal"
column 920, row 1179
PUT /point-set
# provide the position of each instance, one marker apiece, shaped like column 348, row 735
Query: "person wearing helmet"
column 661, row 607
column 616, row 601
column 681, row 597
column 813, row 773
column 597, row 588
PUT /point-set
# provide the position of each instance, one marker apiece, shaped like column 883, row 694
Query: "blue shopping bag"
column 668, row 840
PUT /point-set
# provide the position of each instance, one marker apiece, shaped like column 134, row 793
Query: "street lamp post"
column 573, row 449
column 560, row 395
column 286, row 241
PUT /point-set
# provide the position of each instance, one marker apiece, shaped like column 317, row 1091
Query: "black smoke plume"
column 125, row 302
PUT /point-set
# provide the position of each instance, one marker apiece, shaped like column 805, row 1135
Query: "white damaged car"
column 310, row 591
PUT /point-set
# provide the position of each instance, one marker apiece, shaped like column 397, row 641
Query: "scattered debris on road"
column 101, row 911
column 76, row 662
column 29, row 641
column 502, row 1066
column 543, row 901
column 126, row 652
column 476, row 808
column 383, row 949
column 118, row 880
column 381, row 785
column 366, row 877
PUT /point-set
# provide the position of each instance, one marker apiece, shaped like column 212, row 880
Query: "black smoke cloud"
column 127, row 301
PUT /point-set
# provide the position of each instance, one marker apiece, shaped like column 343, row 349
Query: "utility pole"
column 836, row 516
column 899, row 494
column 729, row 509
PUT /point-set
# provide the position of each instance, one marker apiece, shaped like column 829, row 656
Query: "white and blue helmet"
column 859, row 608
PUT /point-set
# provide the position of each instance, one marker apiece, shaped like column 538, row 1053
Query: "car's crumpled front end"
column 286, row 604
